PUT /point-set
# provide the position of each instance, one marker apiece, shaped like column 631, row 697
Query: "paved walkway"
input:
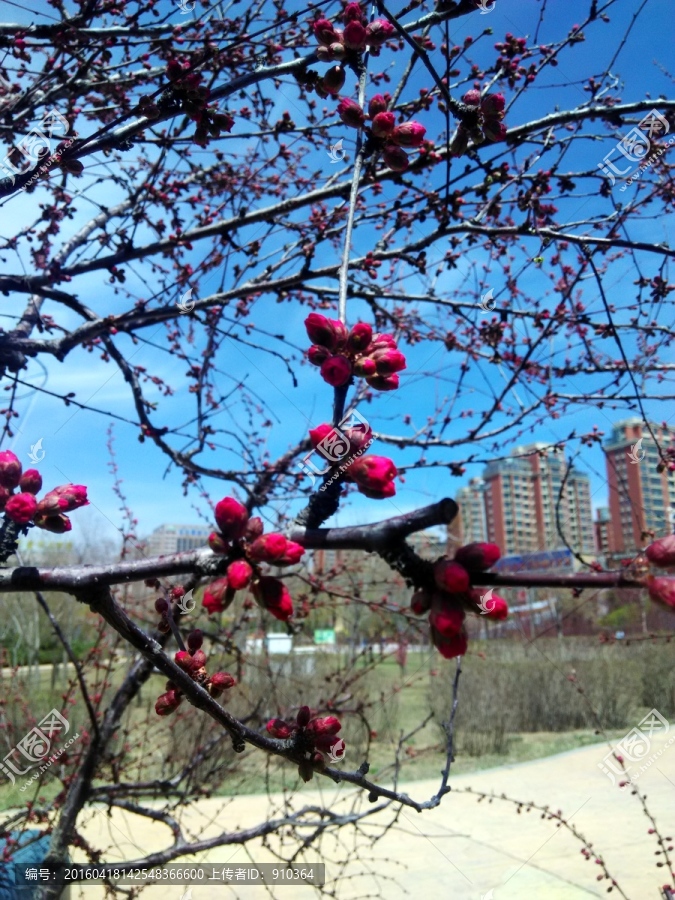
column 463, row 850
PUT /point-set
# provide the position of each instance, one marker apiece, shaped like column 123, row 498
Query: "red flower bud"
column 478, row 557
column 218, row 544
column 452, row 646
column 326, row 742
column 365, row 367
column 217, row 596
column 354, row 35
column 55, row 524
column 383, row 382
column 31, row 481
column 662, row 590
column 10, row 469
column 268, row 547
column 446, row 619
column 316, row 435
column 327, row 726
column 254, row 528
column 451, row 577
column 21, row 508
column 161, row 605
column 273, row 595
column 471, row 98
column 168, row 703
column 334, row 79
column 662, row 552
column 374, row 473
column 330, row 333
column 184, row 660
column 359, row 337
column 421, row 602
column 351, row 114
column 194, row 640
column 378, row 31
column 377, row 105
column 383, row 124
column 410, row 134
column 280, row 729
column 493, row 105
column 292, row 554
column 395, row 158
column 336, row 371
column 303, row 716
column 494, row 130
column 231, row 517
column 4, row 497
column 389, row 361
column 317, row 355
column 219, row 682
column 63, row 499
column 198, row 660
column 353, row 13
column 324, row 31
column 239, row 574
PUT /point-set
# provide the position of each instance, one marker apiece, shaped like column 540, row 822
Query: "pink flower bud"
column 318, row 434
column 395, row 158
column 446, row 619
column 280, row 729
column 378, row 31
column 324, row 31
column 451, row 577
column 184, row 660
column 273, row 595
column 383, row 382
column 327, row 726
column 64, row 498
column 254, row 528
column 471, row 98
column 55, row 524
column 336, row 371
column 389, row 361
column 292, row 554
column 219, row 682
column 354, row 35
column 10, row 469
column 375, row 474
column 662, row 590
column 353, row 13
column 217, row 596
column 493, row 105
column 326, row 742
column 496, row 608
column 198, row 660
column 450, row 647
column 365, row 367
column 239, row 574
column 217, row 544
column 303, row 716
column 410, row 134
column 268, row 547
column 31, row 481
column 381, row 341
column 168, row 703
column 231, row 518
column 359, row 337
column 21, row 508
column 421, row 602
column 351, row 114
column 478, row 557
column 377, row 105
column 494, row 130
column 383, row 124
column 317, row 355
column 330, row 333
column 662, row 552
column 334, row 79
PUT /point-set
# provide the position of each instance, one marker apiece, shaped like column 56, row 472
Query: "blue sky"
column 74, row 442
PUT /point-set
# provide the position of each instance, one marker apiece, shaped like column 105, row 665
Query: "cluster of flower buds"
column 373, row 475
column 662, row 554
column 348, row 43
column 386, row 134
column 23, row 507
column 489, row 125
column 341, row 353
column 187, row 88
column 312, row 737
column 242, row 537
column 192, row 661
column 453, row 597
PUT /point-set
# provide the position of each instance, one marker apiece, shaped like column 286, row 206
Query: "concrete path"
column 463, row 850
